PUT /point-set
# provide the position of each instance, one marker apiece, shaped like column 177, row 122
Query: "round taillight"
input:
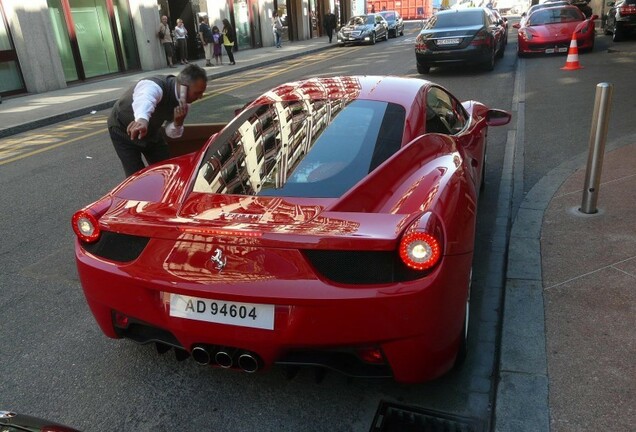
column 86, row 227
column 420, row 250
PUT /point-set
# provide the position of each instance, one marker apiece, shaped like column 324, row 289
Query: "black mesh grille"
column 392, row 417
column 117, row 247
column 345, row 362
column 143, row 333
column 361, row 267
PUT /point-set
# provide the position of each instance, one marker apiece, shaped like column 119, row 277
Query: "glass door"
column 94, row 37
column 242, row 23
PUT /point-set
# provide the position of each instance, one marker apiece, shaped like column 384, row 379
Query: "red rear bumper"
column 416, row 324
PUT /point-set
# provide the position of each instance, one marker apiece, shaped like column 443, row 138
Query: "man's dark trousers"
column 130, row 151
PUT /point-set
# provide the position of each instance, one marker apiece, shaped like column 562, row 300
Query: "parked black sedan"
column 621, row 19
column 395, row 21
column 453, row 36
column 364, row 29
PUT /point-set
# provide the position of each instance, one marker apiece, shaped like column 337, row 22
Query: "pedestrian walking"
column 181, row 34
column 277, row 28
column 205, row 35
column 329, row 24
column 135, row 122
column 166, row 40
column 229, row 39
column 217, row 41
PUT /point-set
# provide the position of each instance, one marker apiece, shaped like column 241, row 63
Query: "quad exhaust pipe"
column 226, row 357
column 201, row 355
column 248, row 362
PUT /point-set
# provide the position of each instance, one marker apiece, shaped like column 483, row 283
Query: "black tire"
column 617, row 34
column 372, row 38
column 489, row 64
column 500, row 53
column 462, row 351
column 423, row 68
column 482, row 185
column 402, row 32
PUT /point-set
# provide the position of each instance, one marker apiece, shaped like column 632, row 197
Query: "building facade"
column 48, row 44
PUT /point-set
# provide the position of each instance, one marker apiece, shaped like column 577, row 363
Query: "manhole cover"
column 392, row 417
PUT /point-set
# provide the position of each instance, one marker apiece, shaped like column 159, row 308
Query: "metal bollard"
column 598, row 135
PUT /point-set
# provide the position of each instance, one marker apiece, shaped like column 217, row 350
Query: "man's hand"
column 137, row 129
column 180, row 113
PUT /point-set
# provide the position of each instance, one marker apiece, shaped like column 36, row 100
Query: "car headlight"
column 526, row 34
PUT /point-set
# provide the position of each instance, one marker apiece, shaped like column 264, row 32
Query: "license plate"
column 222, row 312
column 453, row 41
column 556, row 49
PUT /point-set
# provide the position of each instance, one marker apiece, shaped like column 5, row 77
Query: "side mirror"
column 516, row 25
column 523, row 14
column 496, row 117
column 593, row 17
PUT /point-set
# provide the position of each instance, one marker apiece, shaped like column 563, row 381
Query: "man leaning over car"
column 135, row 122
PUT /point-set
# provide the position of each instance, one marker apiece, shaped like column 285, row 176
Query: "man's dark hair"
column 191, row 73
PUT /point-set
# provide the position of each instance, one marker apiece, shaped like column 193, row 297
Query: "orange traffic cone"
column 572, row 62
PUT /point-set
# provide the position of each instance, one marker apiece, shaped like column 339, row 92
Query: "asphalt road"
column 57, row 364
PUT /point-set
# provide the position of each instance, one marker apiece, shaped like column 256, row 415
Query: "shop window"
column 10, row 75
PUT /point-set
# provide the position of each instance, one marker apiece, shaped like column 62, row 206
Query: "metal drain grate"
column 392, row 417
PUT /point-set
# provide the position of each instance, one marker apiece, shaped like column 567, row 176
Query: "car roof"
column 460, row 11
column 392, row 89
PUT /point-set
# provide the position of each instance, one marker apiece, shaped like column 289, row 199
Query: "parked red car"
column 331, row 223
column 550, row 30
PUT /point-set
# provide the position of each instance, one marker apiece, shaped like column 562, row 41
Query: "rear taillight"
column 481, row 38
column 627, row 10
column 86, row 226
column 420, row 250
column 420, row 43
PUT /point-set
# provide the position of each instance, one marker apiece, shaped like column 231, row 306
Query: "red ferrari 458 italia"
column 331, row 223
column 550, row 30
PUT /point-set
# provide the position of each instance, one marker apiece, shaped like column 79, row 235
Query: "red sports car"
column 331, row 223
column 550, row 30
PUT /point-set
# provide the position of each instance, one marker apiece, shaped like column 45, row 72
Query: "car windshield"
column 305, row 148
column 361, row 20
column 555, row 16
column 463, row 18
column 389, row 16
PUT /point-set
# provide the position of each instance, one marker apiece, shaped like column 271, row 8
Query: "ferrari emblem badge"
column 218, row 259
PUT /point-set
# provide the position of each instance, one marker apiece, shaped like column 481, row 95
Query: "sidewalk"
column 568, row 342
column 22, row 113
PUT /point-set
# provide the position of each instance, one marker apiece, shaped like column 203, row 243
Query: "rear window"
column 464, row 18
column 303, row 148
column 555, row 16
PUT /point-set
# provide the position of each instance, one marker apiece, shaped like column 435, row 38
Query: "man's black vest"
column 122, row 113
